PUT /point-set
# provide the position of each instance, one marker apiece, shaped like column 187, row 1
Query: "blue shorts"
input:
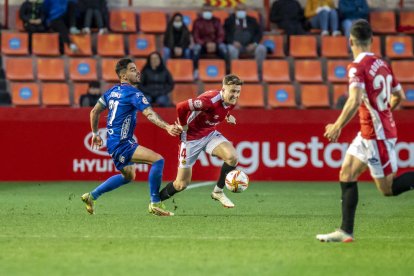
column 123, row 153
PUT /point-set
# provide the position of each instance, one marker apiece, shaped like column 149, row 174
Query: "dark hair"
column 362, row 32
column 148, row 63
column 232, row 80
column 121, row 65
column 94, row 84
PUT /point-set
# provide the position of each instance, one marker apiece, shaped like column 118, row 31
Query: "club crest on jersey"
column 198, row 103
column 351, row 72
column 144, row 100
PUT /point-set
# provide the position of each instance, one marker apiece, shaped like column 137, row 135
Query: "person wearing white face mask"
column 208, row 36
column 176, row 39
column 243, row 35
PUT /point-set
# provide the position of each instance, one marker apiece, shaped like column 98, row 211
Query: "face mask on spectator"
column 207, row 15
column 241, row 14
column 177, row 24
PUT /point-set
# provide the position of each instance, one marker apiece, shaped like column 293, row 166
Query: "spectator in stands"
column 177, row 39
column 351, row 10
column 60, row 16
column 156, row 81
column 243, row 35
column 208, row 36
column 288, row 15
column 95, row 10
column 31, row 13
column 323, row 15
column 92, row 95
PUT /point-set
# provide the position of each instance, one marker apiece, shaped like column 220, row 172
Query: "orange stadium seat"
column 338, row 91
column 211, row 70
column 51, row 69
column 25, row 93
column 122, row 21
column 82, row 69
column 281, row 95
column 246, row 69
column 189, row 16
column 251, row 96
column 336, row 70
column 152, row 21
column 276, row 71
column 84, row 44
column 55, row 93
column 13, row 43
column 181, row 69
column 79, row 88
column 382, row 21
column 308, row 70
column 399, row 46
column 108, row 69
column 376, row 46
column 111, row 45
column 255, row 15
column 141, row 45
column 407, row 20
column 183, row 91
column 303, row 46
column 19, row 69
column 140, row 63
column 334, row 47
column 221, row 14
column 409, row 95
column 275, row 44
column 19, row 21
column 211, row 86
column 45, row 44
column 314, row 95
column 403, row 70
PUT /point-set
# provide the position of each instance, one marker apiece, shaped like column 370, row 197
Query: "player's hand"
column 332, row 132
column 231, row 120
column 173, row 130
column 97, row 142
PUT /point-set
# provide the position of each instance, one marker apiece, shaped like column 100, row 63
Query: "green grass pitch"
column 45, row 230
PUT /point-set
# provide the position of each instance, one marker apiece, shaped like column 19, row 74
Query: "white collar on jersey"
column 361, row 56
column 223, row 103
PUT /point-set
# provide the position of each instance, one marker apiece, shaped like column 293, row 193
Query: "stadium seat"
column 108, row 69
column 51, row 69
column 281, row 95
column 19, row 21
column 399, row 46
column 336, row 70
column 382, row 22
column 303, row 46
column 141, row 45
column 181, row 69
column 308, row 70
column 221, row 14
column 79, row 88
column 19, row 69
column 246, row 69
column 409, row 95
column 45, row 44
column 338, row 91
column 55, row 94
column 152, row 21
column 140, row 63
column 211, row 70
column 183, row 91
column 111, row 45
column 13, row 43
column 122, row 21
column 189, row 16
column 251, row 96
column 406, row 22
column 275, row 44
column 255, row 15
column 82, row 69
column 403, row 70
column 84, row 44
column 334, row 47
column 276, row 71
column 376, row 46
column 25, row 93
column 315, row 96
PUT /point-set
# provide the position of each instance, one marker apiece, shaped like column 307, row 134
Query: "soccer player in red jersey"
column 198, row 118
column 374, row 90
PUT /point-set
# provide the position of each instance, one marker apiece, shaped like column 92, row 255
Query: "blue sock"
column 110, row 184
column 155, row 178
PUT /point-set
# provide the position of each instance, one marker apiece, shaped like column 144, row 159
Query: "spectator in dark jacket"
column 288, row 15
column 95, row 10
column 156, row 81
column 243, row 35
column 31, row 13
column 177, row 39
column 351, row 10
column 92, row 96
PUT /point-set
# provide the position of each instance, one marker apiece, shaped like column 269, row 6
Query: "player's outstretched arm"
column 396, row 98
column 94, row 120
column 154, row 118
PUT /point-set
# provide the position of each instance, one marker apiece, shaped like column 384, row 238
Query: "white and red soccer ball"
column 237, row 181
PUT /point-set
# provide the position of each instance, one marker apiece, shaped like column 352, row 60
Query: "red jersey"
column 377, row 79
column 202, row 114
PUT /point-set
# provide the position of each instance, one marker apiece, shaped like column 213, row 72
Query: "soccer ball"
column 237, row 181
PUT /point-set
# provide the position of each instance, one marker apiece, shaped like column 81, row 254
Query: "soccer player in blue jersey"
column 123, row 101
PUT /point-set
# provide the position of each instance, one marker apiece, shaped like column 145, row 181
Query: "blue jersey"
column 123, row 102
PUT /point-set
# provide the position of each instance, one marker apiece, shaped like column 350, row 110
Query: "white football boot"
column 337, row 236
column 224, row 200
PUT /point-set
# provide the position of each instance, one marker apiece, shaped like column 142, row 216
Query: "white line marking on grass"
column 201, row 184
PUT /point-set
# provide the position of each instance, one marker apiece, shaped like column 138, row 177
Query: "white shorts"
column 190, row 150
column 379, row 155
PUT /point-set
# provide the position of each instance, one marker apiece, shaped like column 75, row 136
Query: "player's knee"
column 346, row 176
column 181, row 185
column 129, row 175
column 386, row 192
column 232, row 160
column 158, row 157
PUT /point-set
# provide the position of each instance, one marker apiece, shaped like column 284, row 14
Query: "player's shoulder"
column 212, row 96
